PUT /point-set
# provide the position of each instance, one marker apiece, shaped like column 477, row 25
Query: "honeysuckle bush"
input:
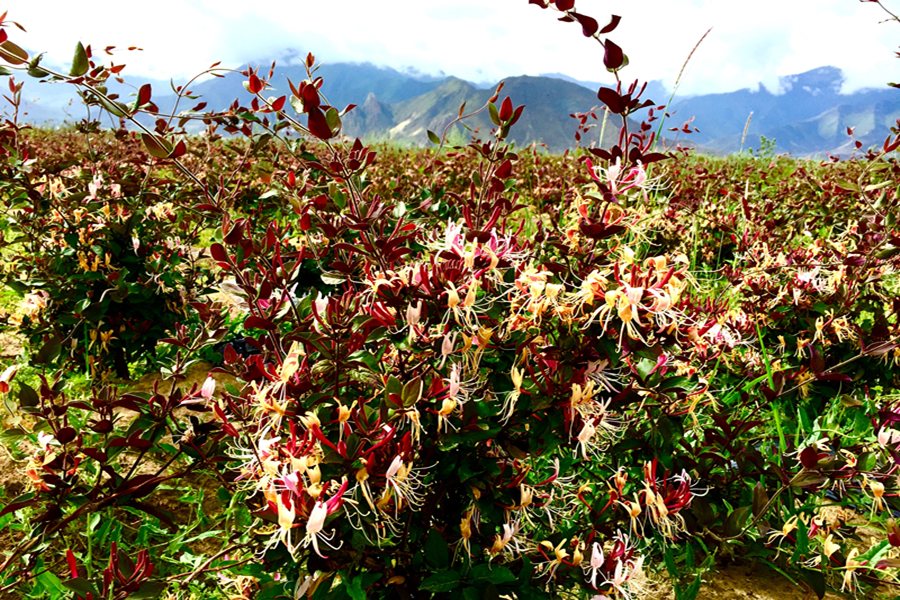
column 99, row 242
column 476, row 371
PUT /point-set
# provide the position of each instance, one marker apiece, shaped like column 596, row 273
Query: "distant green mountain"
column 808, row 116
column 548, row 104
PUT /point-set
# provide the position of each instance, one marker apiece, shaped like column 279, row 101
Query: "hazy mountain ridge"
column 810, row 115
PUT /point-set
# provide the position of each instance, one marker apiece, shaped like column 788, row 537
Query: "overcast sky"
column 752, row 41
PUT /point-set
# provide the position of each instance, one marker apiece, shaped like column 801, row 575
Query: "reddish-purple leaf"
column 610, row 98
column 16, row 506
column 613, row 23
column 310, row 96
column 816, row 360
column 809, row 458
column 218, row 252
column 588, row 24
column 834, row 377
column 318, row 125
column 66, row 435
column 565, row 4
column 253, row 322
column 144, row 94
column 254, row 85
column 613, row 57
column 506, row 110
column 180, row 149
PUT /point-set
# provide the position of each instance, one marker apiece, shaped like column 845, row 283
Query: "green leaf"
column 51, row 584
column 333, row 120
column 491, row 593
column 671, row 567
column 690, row 593
column 802, row 544
column 441, row 582
column 735, row 521
column 48, row 351
column 497, row 574
column 816, row 581
column 116, row 108
column 433, row 137
column 81, row 586
column 11, row 436
column 472, row 593
column 436, row 553
column 158, row 148
column 12, row 53
column 495, row 116
column 353, row 587
column 412, row 391
column 79, row 62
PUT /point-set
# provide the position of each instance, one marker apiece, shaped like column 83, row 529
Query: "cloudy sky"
column 751, row 42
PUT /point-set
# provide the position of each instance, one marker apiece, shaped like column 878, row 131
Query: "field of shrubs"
column 269, row 361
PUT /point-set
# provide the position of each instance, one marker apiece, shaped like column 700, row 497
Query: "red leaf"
column 310, row 96
column 66, row 435
column 230, row 355
column 98, row 455
column 504, row 170
column 253, row 322
column 506, row 110
column 180, row 150
column 219, row 253
column 588, row 24
column 809, row 458
column 16, row 506
column 613, row 57
column 2, row 35
column 317, row 124
column 279, row 104
column 517, row 114
column 610, row 98
column 144, row 94
column 565, row 4
column 613, row 23
column 255, row 85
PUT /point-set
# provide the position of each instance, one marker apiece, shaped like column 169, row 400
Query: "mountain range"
column 807, row 117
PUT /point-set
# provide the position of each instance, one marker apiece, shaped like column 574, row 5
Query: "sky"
column 751, row 42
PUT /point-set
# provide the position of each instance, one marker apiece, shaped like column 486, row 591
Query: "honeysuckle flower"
column 877, row 489
column 593, row 567
column 585, row 437
column 45, row 439
column 316, row 521
column 209, row 387
column 501, row 541
column 560, row 554
column 786, row 530
column 849, row 578
column 634, row 514
column 448, row 407
column 8, row 374
column 404, row 484
column 829, row 547
column 888, row 436
column 447, row 346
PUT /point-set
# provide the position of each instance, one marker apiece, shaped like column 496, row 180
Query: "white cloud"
column 751, row 42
